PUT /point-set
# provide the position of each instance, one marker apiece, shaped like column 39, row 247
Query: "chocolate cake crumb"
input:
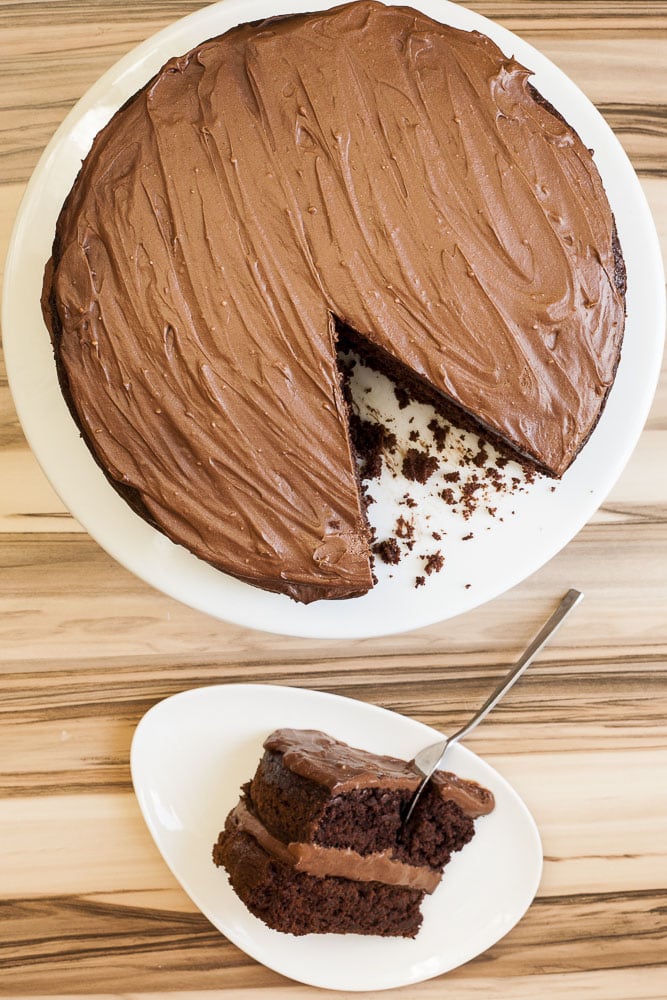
column 468, row 586
column 418, row 466
column 452, row 477
column 481, row 458
column 433, row 563
column 420, row 581
column 448, row 496
column 389, row 551
column 466, row 538
column 403, row 396
column 439, row 432
column 436, row 535
column 408, row 501
column 413, row 436
column 469, row 500
column 492, row 511
column 404, row 529
column 371, row 440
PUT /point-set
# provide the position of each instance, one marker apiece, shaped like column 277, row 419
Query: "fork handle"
column 430, row 758
column 571, row 599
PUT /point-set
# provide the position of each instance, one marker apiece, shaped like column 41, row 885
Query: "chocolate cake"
column 364, row 168
column 316, row 844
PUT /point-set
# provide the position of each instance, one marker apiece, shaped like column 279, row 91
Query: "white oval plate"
column 192, row 752
column 529, row 527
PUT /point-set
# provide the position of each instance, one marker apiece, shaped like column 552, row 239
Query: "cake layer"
column 297, row 903
column 310, row 788
column 365, row 164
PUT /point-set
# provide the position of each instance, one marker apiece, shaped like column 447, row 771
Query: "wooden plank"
column 64, row 737
column 644, row 983
column 63, row 599
column 147, row 948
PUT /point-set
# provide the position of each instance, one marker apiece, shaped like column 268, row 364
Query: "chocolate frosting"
column 341, row 768
column 330, row 861
column 364, row 163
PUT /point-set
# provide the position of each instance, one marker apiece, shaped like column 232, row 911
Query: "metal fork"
column 430, row 758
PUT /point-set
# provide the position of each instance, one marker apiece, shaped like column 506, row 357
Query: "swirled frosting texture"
column 365, row 163
column 341, row 768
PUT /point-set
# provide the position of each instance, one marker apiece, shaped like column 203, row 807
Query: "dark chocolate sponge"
column 317, row 843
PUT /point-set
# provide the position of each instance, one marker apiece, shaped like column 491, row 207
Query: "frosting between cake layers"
column 364, row 163
column 334, row 862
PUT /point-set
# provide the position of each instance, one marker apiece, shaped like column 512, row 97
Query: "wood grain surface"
column 87, row 907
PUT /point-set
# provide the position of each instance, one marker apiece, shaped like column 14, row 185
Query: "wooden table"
column 87, row 905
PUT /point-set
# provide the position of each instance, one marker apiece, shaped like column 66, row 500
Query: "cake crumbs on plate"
column 388, row 550
column 403, row 528
column 433, row 563
column 418, row 466
column 455, row 466
column 403, row 397
column 440, row 433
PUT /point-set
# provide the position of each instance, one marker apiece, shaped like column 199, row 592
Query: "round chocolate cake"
column 363, row 166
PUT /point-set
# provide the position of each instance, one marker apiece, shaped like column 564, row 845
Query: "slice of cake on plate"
column 317, row 844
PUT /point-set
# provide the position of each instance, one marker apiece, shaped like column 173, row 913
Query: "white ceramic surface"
column 190, row 756
column 528, row 528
